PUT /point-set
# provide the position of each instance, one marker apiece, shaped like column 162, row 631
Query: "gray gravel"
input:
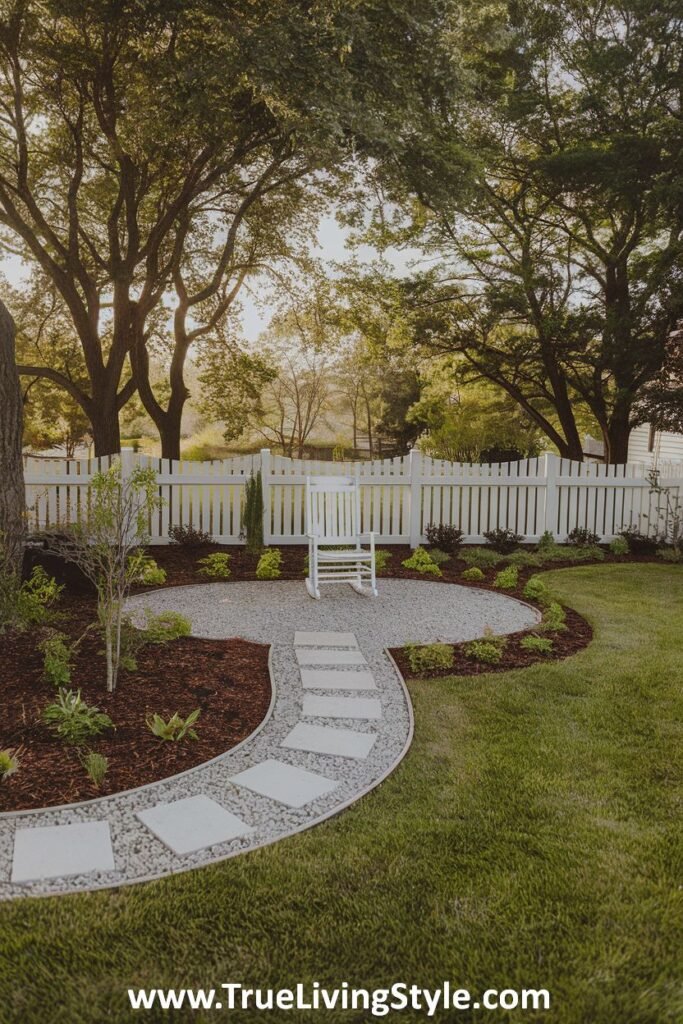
column 406, row 610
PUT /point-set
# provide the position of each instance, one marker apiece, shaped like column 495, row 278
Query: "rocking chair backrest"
column 333, row 509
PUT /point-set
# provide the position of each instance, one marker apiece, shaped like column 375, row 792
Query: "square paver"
column 303, row 638
column 336, row 679
column 53, row 851
column 341, row 707
column 311, row 656
column 320, row 739
column 285, row 783
column 192, row 824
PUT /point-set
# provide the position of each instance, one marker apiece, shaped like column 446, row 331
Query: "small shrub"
column 554, row 619
column 488, row 649
column 546, row 543
column 252, row 515
column 439, row 556
column 269, row 564
column 189, row 537
column 132, row 641
column 537, row 644
column 507, row 579
column 429, row 657
column 10, row 760
column 382, row 559
column 96, row 766
column 503, row 541
column 145, row 570
column 580, row 537
column 619, row 546
column 167, row 626
column 421, row 561
column 176, row 728
column 216, row 566
column 73, row 720
column 26, row 604
column 57, row 658
column 473, row 575
column 441, row 535
column 590, row 553
column 670, row 554
column 638, row 543
column 536, row 590
column 482, row 558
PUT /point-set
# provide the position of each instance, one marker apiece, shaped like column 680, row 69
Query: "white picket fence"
column 399, row 497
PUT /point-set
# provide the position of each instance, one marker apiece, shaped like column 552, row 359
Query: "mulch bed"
column 577, row 636
column 227, row 679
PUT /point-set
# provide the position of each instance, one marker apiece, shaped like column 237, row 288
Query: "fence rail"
column 400, row 497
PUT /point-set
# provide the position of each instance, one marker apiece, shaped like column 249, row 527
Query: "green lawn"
column 529, row 839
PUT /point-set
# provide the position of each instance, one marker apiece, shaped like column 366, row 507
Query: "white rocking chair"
column 333, row 523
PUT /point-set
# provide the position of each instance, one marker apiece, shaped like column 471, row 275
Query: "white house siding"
column 667, row 447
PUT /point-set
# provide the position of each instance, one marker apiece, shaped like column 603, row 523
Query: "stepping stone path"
column 316, row 752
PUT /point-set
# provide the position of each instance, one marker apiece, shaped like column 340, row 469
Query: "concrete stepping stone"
column 53, row 851
column 336, row 679
column 341, row 707
column 284, row 783
column 192, row 824
column 310, row 656
column 321, row 739
column 303, row 638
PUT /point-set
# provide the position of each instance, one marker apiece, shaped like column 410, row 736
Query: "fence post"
column 415, row 504
column 551, row 496
column 127, row 464
column 265, row 485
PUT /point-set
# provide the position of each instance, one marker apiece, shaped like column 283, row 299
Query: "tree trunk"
column 106, row 432
column 12, row 491
column 617, row 438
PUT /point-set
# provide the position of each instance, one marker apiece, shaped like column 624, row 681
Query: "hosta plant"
column 175, row 728
column 73, row 720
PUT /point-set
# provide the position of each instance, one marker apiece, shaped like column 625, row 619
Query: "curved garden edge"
column 215, row 859
column 93, row 801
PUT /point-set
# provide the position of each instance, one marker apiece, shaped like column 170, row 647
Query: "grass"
column 529, row 839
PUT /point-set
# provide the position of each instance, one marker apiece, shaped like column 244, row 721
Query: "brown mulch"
column 577, row 636
column 227, row 679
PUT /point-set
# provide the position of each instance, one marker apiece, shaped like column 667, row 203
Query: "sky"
column 332, row 238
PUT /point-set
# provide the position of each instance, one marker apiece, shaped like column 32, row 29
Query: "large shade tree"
column 12, row 498
column 554, row 210
column 138, row 138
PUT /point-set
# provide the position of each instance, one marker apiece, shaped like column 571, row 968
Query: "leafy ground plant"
column 554, row 619
column 507, row 578
column 216, row 566
column 536, row 590
column 57, row 658
column 421, row 561
column 537, row 644
column 146, row 570
column 439, row 556
column 429, row 657
column 619, row 546
column 480, row 558
column 269, row 565
column 96, row 766
column 26, row 604
column 488, row 649
column 165, row 626
column 73, row 720
column 176, row 728
column 10, row 760
column 473, row 575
